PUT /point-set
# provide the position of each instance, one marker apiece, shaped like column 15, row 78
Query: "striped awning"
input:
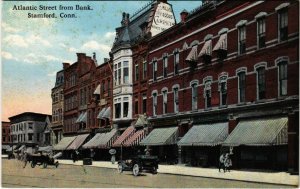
column 124, row 136
column 193, row 55
column 260, row 132
column 136, row 138
column 205, row 135
column 79, row 140
column 161, row 136
column 64, row 143
column 102, row 140
column 101, row 113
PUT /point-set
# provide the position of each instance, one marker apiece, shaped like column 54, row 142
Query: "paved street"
column 13, row 175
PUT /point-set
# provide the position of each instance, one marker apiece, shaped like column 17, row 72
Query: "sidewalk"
column 263, row 177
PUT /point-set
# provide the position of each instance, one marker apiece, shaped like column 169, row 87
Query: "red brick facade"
column 6, row 138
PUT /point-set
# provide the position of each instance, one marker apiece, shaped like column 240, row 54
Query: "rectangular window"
column 283, row 24
column 194, row 97
column 165, row 63
column 118, row 110
column 176, row 63
column 154, row 70
column 119, row 73
column 207, row 98
column 223, row 94
column 261, row 32
column 136, row 72
column 30, row 126
column 242, row 39
column 242, row 86
column 37, row 137
column 165, row 102
column 283, row 78
column 261, row 83
column 144, row 70
column 125, row 72
column 136, row 107
column 144, row 104
column 176, row 101
column 116, row 74
column 108, row 87
column 103, row 88
column 154, row 104
column 125, row 109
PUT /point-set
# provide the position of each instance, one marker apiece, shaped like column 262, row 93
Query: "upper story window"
column 165, row 64
column 283, row 24
column 207, row 93
column 261, row 83
column 116, row 74
column 154, row 70
column 242, row 39
column 125, row 109
column 282, row 77
column 223, row 90
column 176, row 62
column 118, row 110
column 103, row 87
column 154, row 96
column 194, row 87
column 165, row 101
column 119, row 73
column 241, row 86
column 136, row 77
column 125, row 72
column 144, row 103
column 144, row 70
column 176, row 100
column 261, row 32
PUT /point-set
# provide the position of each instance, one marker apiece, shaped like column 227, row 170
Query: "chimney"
column 80, row 57
column 183, row 15
column 65, row 65
column 94, row 57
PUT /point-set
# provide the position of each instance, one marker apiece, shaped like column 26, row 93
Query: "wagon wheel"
column 120, row 168
column 45, row 165
column 136, row 169
column 33, row 164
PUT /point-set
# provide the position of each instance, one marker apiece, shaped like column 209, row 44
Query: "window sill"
column 223, row 106
column 260, row 101
column 241, row 103
column 282, row 97
column 208, row 109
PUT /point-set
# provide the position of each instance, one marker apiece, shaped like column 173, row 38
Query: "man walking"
column 221, row 162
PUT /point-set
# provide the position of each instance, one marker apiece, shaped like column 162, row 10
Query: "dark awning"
column 205, row 135
column 161, row 136
column 261, row 132
column 79, row 140
column 64, row 143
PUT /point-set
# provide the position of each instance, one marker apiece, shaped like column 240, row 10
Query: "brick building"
column 6, row 139
column 57, row 108
column 226, row 65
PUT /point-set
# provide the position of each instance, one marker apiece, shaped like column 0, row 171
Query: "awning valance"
column 79, row 140
column 261, row 132
column 141, row 121
column 192, row 57
column 206, row 49
column 161, row 136
column 100, row 115
column 205, row 135
column 102, row 140
column 107, row 113
column 97, row 90
column 64, row 143
column 124, row 136
column 222, row 43
column 136, row 138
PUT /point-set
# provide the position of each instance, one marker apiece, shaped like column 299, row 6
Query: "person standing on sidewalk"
column 221, row 162
column 227, row 162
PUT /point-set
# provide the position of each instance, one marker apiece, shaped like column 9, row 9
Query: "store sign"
column 163, row 18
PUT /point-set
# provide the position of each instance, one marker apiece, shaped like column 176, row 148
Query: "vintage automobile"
column 138, row 164
column 42, row 159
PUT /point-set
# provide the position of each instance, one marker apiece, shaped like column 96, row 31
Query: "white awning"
column 192, row 57
column 222, row 43
column 206, row 49
column 100, row 115
column 79, row 118
column 84, row 117
column 97, row 91
column 107, row 113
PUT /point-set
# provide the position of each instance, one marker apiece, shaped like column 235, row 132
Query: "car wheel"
column 136, row 169
column 45, row 165
column 154, row 171
column 120, row 168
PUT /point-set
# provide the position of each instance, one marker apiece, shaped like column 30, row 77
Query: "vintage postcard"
column 157, row 93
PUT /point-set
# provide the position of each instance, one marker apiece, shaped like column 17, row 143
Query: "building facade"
column 6, row 138
column 28, row 128
column 221, row 67
column 57, row 108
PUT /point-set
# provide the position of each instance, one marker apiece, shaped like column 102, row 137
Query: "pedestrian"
column 92, row 154
column 73, row 156
column 25, row 159
column 227, row 162
column 221, row 162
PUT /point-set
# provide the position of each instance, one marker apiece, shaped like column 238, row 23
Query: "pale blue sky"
column 33, row 49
